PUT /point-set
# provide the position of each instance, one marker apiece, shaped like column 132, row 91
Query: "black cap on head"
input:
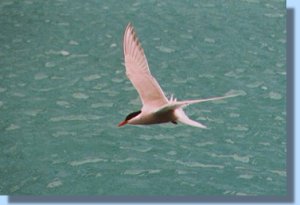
column 132, row 115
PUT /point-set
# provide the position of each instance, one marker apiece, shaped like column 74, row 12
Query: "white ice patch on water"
column 244, row 159
column 87, row 161
column 279, row 172
column 200, row 165
column 32, row 113
column 91, row 77
column 64, row 53
column 40, row 76
column 165, row 49
column 74, row 43
column 209, row 40
column 55, row 183
column 62, row 103
column 63, row 133
column 236, row 92
column 240, row 128
column 134, row 171
column 255, row 84
column 203, row 144
column 245, row 176
column 141, row 171
column 12, row 127
column 80, row 96
column 275, row 95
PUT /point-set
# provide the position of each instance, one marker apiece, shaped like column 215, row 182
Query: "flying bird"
column 156, row 107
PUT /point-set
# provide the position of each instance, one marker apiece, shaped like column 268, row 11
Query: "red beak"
column 122, row 123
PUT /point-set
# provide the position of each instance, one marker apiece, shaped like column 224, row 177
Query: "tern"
column 156, row 107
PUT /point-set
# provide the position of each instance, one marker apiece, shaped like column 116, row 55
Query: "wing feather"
column 138, row 72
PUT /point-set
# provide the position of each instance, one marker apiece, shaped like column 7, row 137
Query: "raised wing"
column 138, row 72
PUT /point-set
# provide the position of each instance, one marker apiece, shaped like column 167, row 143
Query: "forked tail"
column 183, row 118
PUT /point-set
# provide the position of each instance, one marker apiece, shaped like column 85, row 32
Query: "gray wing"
column 138, row 72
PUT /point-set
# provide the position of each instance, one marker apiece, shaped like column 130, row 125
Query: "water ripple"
column 75, row 118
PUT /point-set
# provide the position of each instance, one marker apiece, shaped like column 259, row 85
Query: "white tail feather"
column 183, row 118
column 174, row 104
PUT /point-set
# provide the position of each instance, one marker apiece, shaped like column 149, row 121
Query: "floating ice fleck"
column 241, row 194
column 254, row 84
column 234, row 115
column 229, row 141
column 99, row 175
column 12, row 127
column 17, row 94
column 265, row 143
column 274, row 15
column 55, row 183
column 275, row 95
column 117, row 80
column 172, row 153
column 245, row 176
column 63, row 24
column 91, row 77
column 72, row 42
column 63, row 103
column 32, row 113
column 244, row 159
column 209, row 40
column 198, row 164
column 64, row 53
column 63, row 133
column 40, row 76
column 231, row 74
column 186, row 36
column 49, row 64
column 134, row 171
column 113, row 45
column 80, row 96
column 165, row 49
column 99, row 86
column 86, row 161
column 279, row 172
column 203, row 144
column 264, row 87
column 240, row 128
column 236, row 92
column 154, row 171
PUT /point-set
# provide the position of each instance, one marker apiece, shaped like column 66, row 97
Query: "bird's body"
column 156, row 107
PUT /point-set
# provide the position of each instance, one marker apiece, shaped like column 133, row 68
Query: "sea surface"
column 63, row 90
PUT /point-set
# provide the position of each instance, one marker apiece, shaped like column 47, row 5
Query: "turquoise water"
column 63, row 90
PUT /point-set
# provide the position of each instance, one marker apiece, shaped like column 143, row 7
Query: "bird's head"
column 129, row 117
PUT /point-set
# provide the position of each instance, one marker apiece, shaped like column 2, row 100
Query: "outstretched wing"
column 138, row 72
column 172, row 105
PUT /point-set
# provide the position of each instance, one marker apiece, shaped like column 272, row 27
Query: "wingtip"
column 129, row 25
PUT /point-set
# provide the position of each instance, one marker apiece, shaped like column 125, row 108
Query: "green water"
column 63, row 90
